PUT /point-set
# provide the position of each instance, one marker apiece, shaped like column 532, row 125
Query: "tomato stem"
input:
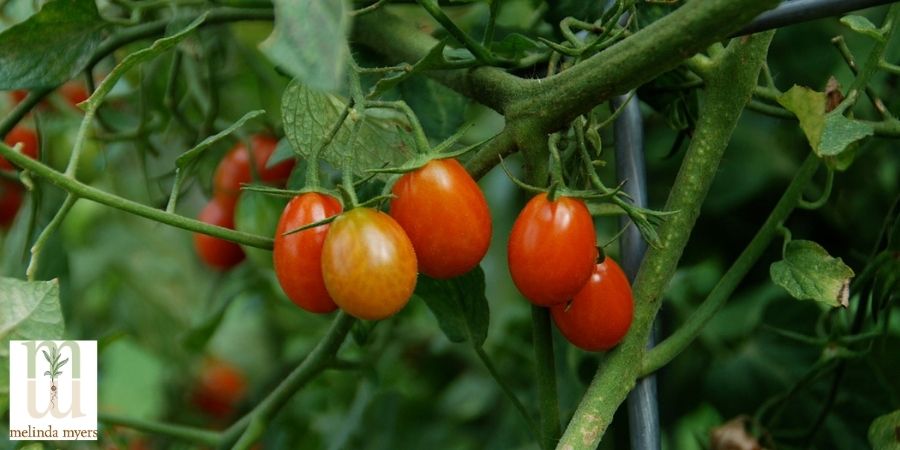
column 545, row 371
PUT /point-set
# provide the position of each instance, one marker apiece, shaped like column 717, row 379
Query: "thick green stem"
column 687, row 332
column 250, row 428
column 184, row 433
column 730, row 84
column 403, row 41
column 653, row 50
column 545, row 370
column 82, row 190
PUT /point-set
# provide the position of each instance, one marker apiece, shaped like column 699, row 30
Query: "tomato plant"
column 746, row 180
column 599, row 315
column 445, row 215
column 552, row 249
column 298, row 256
column 368, row 264
column 235, row 168
column 216, row 252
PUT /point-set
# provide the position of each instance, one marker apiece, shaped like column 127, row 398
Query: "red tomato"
column 218, row 253
column 10, row 201
column 445, row 214
column 29, row 140
column 599, row 315
column 74, row 92
column 235, row 169
column 220, row 388
column 298, row 256
column 368, row 264
column 552, row 249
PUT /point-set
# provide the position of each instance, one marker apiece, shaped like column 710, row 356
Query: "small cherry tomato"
column 552, row 249
column 368, row 264
column 599, row 315
column 445, row 215
column 74, row 92
column 29, row 140
column 10, row 201
column 298, row 256
column 219, row 388
column 235, row 169
column 218, row 253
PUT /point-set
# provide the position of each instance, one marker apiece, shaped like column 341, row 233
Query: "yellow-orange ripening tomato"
column 298, row 256
column 445, row 214
column 368, row 264
column 599, row 315
column 552, row 249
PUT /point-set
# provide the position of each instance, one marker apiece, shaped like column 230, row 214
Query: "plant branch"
column 653, row 50
column 190, row 434
column 730, row 84
column 687, row 332
column 82, row 190
column 489, row 365
column 248, row 429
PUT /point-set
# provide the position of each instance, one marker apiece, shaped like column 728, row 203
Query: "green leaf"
column 28, row 311
column 839, row 133
column 829, row 134
column 47, row 357
column 884, row 433
column 47, row 373
column 458, row 304
column 309, row 117
column 309, row 41
column 863, row 26
column 808, row 272
column 50, row 47
column 809, row 106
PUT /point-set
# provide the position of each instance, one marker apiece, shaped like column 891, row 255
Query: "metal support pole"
column 643, row 411
column 796, row 11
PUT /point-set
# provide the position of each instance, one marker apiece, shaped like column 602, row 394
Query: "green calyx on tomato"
column 445, row 215
column 216, row 252
column 599, row 315
column 297, row 257
column 552, row 250
column 368, row 264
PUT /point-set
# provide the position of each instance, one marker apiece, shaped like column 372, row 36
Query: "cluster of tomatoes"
column 366, row 262
column 235, row 169
column 552, row 258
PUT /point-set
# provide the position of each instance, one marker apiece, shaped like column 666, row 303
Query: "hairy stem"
column 730, row 84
